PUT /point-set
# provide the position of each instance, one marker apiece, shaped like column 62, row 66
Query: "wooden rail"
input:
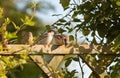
column 53, row 49
column 36, row 52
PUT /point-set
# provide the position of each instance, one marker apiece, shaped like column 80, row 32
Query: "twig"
column 62, row 18
column 81, row 67
column 33, row 14
column 76, row 40
column 75, row 2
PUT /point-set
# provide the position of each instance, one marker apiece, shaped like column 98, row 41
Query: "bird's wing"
column 41, row 39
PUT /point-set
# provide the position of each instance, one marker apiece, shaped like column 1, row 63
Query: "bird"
column 60, row 39
column 45, row 39
column 27, row 38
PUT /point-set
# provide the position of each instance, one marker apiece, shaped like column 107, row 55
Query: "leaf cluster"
column 97, row 19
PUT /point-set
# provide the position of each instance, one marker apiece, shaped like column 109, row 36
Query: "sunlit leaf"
column 30, row 23
column 16, row 27
column 11, row 35
column 118, row 3
column 7, row 20
column 22, row 20
column 27, row 21
column 5, row 60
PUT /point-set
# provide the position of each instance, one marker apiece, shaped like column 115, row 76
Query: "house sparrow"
column 60, row 40
column 27, row 38
column 45, row 39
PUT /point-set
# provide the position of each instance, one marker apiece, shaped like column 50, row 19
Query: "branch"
column 81, row 67
column 33, row 14
column 62, row 18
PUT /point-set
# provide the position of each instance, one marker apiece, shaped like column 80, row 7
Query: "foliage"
column 13, row 22
column 114, row 69
column 10, row 62
column 98, row 19
column 67, row 73
column 17, row 15
column 24, row 71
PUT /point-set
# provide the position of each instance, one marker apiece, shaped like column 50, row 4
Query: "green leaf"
column 71, row 38
column 61, row 30
column 67, row 63
column 69, row 29
column 118, row 3
column 59, row 24
column 28, row 21
column 5, row 60
column 16, row 27
column 11, row 35
column 76, row 59
column 72, row 73
column 75, row 14
column 76, row 20
column 85, row 32
column 65, row 3
column 62, row 20
column 7, row 21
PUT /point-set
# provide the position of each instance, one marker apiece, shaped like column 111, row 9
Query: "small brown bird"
column 45, row 39
column 27, row 38
column 60, row 40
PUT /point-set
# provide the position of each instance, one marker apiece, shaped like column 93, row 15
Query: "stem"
column 81, row 67
column 75, row 2
column 61, row 18
column 76, row 40
column 33, row 14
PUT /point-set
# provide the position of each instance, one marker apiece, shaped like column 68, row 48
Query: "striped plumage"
column 60, row 40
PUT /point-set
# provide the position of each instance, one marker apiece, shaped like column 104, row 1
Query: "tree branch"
column 81, row 67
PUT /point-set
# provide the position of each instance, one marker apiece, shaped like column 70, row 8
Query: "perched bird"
column 45, row 39
column 27, row 38
column 60, row 40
